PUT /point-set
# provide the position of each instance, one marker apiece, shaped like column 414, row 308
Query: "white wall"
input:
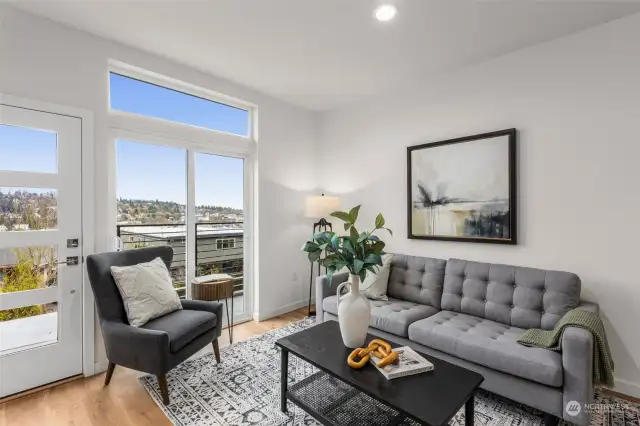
column 48, row 62
column 576, row 103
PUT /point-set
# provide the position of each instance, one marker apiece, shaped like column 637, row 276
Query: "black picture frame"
column 512, row 173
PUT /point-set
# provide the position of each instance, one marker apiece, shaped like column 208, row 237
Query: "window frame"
column 156, row 131
column 230, row 241
column 162, row 81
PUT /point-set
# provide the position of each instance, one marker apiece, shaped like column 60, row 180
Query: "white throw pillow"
column 147, row 291
column 374, row 286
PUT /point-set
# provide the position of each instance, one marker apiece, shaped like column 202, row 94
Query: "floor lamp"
column 318, row 208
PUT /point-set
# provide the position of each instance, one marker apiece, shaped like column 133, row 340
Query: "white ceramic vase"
column 354, row 313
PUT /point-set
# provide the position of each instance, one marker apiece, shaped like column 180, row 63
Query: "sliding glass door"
column 190, row 200
column 219, row 222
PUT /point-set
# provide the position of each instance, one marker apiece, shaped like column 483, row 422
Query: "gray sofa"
column 471, row 314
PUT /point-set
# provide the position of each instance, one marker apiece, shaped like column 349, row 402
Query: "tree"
column 24, row 275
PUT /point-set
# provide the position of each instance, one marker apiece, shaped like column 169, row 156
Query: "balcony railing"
column 219, row 248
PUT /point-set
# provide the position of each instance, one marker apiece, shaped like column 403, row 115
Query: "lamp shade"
column 318, row 207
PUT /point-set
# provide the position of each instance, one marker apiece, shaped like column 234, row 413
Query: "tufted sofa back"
column 512, row 295
column 417, row 279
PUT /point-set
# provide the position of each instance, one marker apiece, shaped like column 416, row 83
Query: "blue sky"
column 148, row 171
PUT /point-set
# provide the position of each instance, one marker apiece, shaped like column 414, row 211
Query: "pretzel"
column 352, row 359
column 388, row 359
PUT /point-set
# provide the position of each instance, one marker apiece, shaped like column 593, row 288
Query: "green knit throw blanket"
column 590, row 321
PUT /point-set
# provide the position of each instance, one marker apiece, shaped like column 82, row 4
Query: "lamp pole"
column 320, row 226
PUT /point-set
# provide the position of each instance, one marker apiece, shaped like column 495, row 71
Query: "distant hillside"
column 21, row 210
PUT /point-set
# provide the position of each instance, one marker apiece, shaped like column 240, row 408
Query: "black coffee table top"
column 432, row 397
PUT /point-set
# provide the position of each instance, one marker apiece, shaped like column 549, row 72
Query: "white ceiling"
column 323, row 54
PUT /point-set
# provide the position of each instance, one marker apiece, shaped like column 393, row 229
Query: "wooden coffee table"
column 340, row 395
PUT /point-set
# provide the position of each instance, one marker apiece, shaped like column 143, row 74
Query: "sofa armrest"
column 202, row 305
column 137, row 348
column 577, row 365
column 324, row 288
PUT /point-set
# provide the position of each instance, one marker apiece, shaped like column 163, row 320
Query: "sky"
column 147, row 171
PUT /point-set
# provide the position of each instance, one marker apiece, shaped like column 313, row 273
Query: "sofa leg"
column 164, row 389
column 216, row 350
column 550, row 420
column 107, row 378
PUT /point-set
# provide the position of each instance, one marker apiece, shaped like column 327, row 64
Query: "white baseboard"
column 627, row 388
column 100, row 366
column 265, row 315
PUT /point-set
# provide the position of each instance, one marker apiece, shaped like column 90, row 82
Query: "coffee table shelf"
column 333, row 402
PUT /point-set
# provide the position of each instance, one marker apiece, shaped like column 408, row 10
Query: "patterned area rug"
column 245, row 390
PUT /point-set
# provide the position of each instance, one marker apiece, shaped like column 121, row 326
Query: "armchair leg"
column 216, row 350
column 107, row 378
column 164, row 390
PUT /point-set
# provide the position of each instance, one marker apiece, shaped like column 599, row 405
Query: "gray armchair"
column 162, row 343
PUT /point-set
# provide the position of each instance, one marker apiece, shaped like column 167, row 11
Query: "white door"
column 40, row 248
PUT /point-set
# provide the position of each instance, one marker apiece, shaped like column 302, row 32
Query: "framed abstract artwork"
column 464, row 189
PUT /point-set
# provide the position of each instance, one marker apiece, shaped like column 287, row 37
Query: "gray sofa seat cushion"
column 183, row 326
column 488, row 343
column 417, row 279
column 393, row 315
column 512, row 295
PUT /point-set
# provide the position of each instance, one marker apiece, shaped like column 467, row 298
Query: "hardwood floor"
column 86, row 402
column 124, row 402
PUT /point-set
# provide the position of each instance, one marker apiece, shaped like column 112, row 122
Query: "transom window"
column 139, row 97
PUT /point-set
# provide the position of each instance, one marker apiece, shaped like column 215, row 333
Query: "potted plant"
column 360, row 253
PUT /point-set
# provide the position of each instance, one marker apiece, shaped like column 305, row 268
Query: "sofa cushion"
column 393, row 315
column 183, row 326
column 512, row 295
column 488, row 343
column 417, row 279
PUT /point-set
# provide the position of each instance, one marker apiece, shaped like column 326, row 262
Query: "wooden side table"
column 212, row 288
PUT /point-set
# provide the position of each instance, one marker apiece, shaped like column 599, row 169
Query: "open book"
column 410, row 363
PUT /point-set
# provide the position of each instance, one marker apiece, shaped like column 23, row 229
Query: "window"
column 139, row 97
column 225, row 243
column 28, row 150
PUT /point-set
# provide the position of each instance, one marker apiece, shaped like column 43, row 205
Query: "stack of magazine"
column 410, row 363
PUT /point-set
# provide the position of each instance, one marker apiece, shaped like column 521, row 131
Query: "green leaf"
column 347, row 225
column 353, row 235
column 378, row 247
column 371, row 268
column 363, row 236
column 339, row 265
column 379, row 221
column 373, row 259
column 342, row 216
column 323, row 237
column 357, row 266
column 390, row 232
column 335, row 241
column 309, row 246
column 362, row 275
column 314, row 256
column 348, row 247
column 353, row 214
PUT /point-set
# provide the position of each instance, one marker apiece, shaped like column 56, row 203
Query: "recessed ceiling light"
column 386, row 12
